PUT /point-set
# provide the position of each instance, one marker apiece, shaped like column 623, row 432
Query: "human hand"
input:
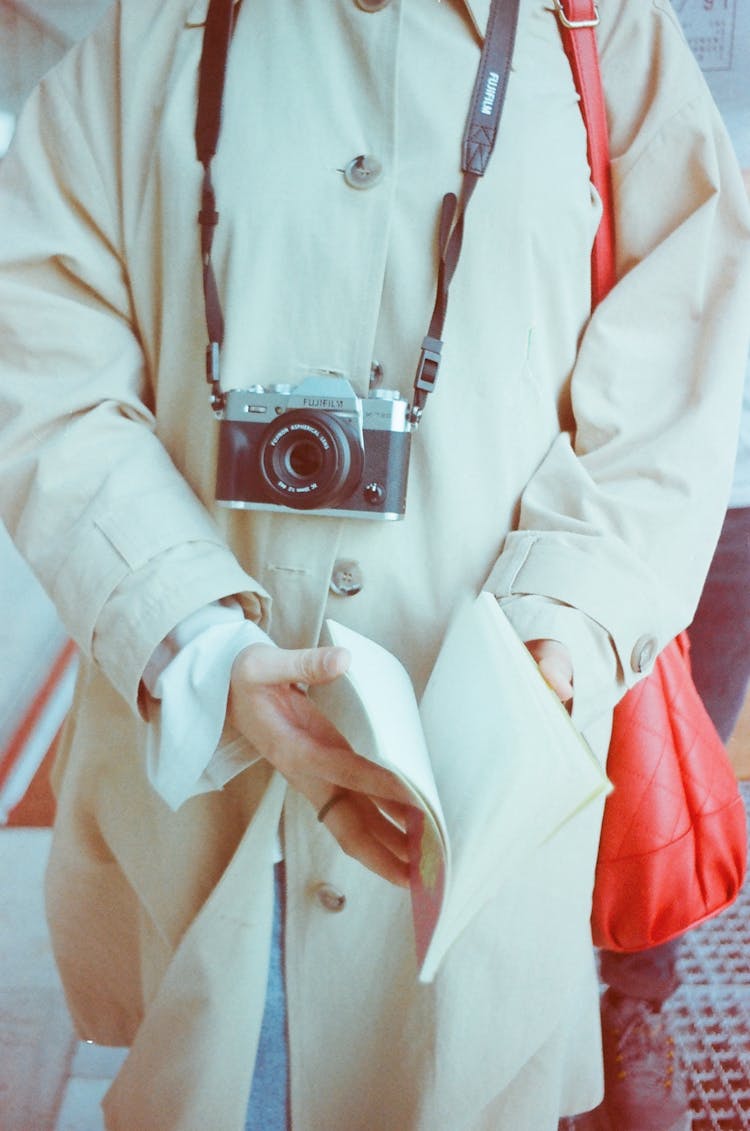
column 555, row 664
column 289, row 731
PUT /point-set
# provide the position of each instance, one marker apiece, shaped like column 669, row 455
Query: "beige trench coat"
column 576, row 468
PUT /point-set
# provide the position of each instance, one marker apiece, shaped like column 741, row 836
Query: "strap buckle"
column 217, row 398
column 574, row 24
column 429, row 364
column 427, row 374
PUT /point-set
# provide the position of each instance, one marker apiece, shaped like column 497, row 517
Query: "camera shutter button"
column 346, row 578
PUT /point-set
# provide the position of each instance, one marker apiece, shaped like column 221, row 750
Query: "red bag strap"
column 578, row 20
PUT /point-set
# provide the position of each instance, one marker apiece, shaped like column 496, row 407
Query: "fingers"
column 334, row 799
column 318, row 772
column 349, row 770
column 265, row 664
column 395, row 810
column 555, row 664
column 292, row 733
column 366, row 835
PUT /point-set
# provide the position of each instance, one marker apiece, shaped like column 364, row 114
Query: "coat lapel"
column 479, row 13
column 197, row 14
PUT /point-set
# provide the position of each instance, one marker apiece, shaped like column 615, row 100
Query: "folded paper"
column 490, row 757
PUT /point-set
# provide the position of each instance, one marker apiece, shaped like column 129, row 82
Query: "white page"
column 384, row 692
column 524, row 768
column 490, row 754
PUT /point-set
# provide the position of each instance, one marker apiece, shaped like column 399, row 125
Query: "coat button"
column 372, row 5
column 377, row 374
column 363, row 172
column 346, row 578
column 643, row 654
column 330, row 897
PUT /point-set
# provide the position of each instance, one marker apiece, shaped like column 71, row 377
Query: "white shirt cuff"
column 190, row 749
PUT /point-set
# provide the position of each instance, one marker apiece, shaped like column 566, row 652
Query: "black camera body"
column 314, row 448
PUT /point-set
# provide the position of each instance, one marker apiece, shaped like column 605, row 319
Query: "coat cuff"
column 596, row 686
column 600, row 578
column 149, row 602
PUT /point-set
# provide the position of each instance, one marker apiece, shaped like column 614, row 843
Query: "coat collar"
column 478, row 10
column 196, row 17
column 479, row 13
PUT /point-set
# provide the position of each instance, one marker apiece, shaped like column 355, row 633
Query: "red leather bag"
column 673, row 846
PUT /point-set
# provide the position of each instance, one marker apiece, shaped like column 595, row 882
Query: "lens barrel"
column 310, row 459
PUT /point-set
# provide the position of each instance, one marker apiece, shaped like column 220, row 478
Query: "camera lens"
column 305, row 460
column 310, row 459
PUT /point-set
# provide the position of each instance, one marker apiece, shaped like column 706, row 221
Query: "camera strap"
column 217, row 36
column 480, row 135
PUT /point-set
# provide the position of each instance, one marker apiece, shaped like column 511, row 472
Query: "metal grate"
column 709, row 1018
column 711, row 1025
column 709, row 1015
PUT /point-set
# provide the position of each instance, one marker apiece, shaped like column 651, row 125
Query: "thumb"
column 557, row 678
column 555, row 665
column 265, row 664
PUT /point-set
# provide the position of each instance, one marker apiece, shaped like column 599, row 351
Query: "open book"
column 490, row 757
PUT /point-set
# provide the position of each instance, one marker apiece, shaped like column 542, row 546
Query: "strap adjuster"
column 212, row 376
column 574, row 24
column 429, row 364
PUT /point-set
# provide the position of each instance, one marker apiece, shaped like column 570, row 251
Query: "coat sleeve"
column 621, row 518
column 112, row 530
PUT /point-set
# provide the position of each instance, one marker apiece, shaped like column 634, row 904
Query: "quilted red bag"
column 673, row 847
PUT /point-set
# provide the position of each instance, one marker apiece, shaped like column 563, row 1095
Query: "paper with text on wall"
column 491, row 757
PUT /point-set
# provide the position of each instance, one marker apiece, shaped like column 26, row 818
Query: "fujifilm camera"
column 315, row 447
